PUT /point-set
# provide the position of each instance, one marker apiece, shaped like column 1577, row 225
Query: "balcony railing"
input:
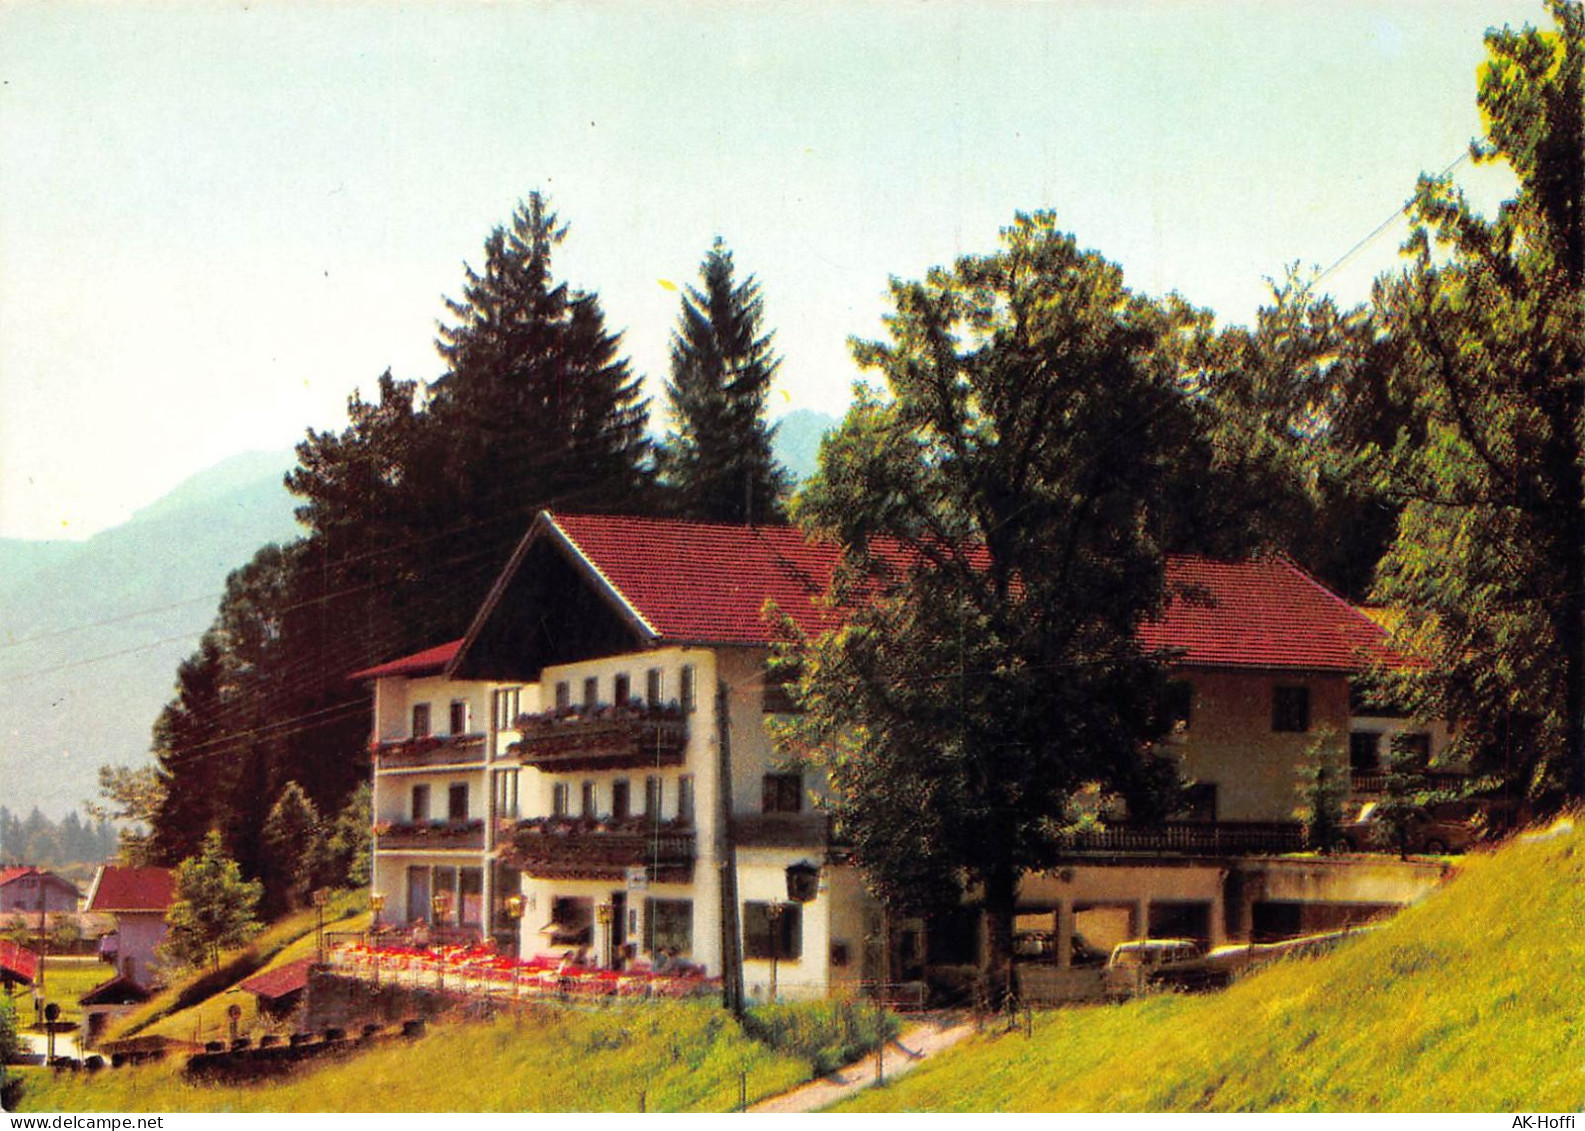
column 1225, row 838
column 567, row 848
column 604, row 738
column 430, row 835
column 782, row 830
column 431, row 750
column 1374, row 782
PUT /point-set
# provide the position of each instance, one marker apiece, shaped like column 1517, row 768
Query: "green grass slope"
column 1473, row 1000
column 667, row 1057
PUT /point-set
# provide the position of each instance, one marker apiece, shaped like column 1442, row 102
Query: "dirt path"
column 917, row 1043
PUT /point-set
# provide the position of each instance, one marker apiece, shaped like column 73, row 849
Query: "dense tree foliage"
column 294, row 848
column 214, row 907
column 38, row 841
column 1004, row 511
column 1487, row 327
column 717, row 461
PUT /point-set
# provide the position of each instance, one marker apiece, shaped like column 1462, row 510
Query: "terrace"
column 430, row 750
column 481, row 971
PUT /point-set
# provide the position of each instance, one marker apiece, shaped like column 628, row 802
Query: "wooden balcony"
column 430, row 835
column 1373, row 783
column 782, row 830
column 1189, row 838
column 569, row 848
column 431, row 750
column 606, row 738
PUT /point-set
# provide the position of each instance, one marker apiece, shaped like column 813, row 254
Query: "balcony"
column 782, row 830
column 604, row 738
column 431, row 750
column 569, row 848
column 429, row 835
column 1196, row 838
column 1373, row 783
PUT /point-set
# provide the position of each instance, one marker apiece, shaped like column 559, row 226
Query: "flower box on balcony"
column 431, row 750
column 430, row 834
column 574, row 848
column 602, row 738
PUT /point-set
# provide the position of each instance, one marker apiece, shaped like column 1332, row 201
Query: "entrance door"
column 417, row 894
column 618, row 935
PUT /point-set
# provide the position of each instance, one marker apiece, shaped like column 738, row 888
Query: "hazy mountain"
column 798, row 436
column 91, row 632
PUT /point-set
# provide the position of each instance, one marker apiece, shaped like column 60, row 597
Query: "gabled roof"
column 116, row 990
column 275, row 984
column 674, row 582
column 431, row 661
column 118, row 889
column 18, row 962
column 8, row 875
column 1265, row 613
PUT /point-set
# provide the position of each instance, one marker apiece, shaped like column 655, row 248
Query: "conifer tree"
column 718, row 460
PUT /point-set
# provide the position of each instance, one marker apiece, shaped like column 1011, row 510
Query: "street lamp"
column 377, row 905
column 773, row 916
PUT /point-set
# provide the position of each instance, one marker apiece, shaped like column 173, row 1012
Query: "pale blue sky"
column 218, row 219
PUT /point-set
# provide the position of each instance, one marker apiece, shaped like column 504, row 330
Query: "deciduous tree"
column 214, row 907
column 1486, row 327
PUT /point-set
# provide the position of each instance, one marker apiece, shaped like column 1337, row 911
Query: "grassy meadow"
column 1473, row 1000
column 671, row 1057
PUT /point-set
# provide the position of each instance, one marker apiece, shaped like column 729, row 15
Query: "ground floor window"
column 668, row 926
column 471, row 890
column 571, row 921
column 767, row 933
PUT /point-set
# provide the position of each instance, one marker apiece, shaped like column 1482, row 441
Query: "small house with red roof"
column 139, row 899
column 588, row 768
column 33, row 890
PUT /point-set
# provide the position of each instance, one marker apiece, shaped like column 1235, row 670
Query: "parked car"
column 1451, row 826
column 1140, row 962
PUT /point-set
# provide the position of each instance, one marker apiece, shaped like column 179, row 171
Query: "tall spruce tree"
column 1489, row 352
column 718, row 461
column 535, row 404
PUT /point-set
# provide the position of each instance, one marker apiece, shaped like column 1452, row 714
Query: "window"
column 685, row 799
column 591, row 693
column 652, row 796
column 457, row 801
column 420, row 720
column 505, row 793
column 1199, row 802
column 686, row 688
column 587, row 808
column 563, row 695
column 459, row 716
column 558, row 799
column 1364, row 751
column 444, row 897
column 620, row 803
column 1412, row 751
column 668, row 926
column 421, row 803
column 759, row 933
column 621, row 689
column 1179, row 704
column 1290, row 709
column 654, row 686
column 782, row 793
column 506, row 707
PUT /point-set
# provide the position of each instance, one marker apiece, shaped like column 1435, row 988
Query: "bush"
column 828, row 1034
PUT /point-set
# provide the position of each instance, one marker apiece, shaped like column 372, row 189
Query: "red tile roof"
column 277, row 983
column 702, row 583
column 17, row 961
column 431, row 661
column 7, row 875
column 1266, row 613
column 119, row 889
